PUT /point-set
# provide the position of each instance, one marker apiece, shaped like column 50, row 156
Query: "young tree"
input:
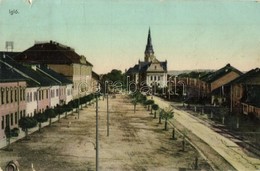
column 166, row 115
column 40, row 118
column 8, row 136
column 50, row 113
column 134, row 101
column 148, row 103
column 26, row 123
column 155, row 107
column 58, row 110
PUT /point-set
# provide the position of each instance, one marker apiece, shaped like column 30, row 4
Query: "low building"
column 245, row 93
column 215, row 85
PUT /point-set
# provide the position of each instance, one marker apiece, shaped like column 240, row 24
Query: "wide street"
column 225, row 147
column 136, row 142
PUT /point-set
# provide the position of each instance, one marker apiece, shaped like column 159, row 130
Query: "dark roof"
column 54, row 75
column 143, row 66
column 209, row 78
column 251, row 77
column 49, row 53
column 10, row 54
column 34, row 77
column 95, row 75
column 8, row 74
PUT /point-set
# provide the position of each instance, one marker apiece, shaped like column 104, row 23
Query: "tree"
column 26, row 123
column 166, row 114
column 67, row 108
column 50, row 113
column 8, row 136
column 148, row 103
column 58, row 110
column 155, row 107
column 134, row 101
column 40, row 118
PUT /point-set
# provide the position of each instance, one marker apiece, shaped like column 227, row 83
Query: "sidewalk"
column 222, row 145
column 21, row 135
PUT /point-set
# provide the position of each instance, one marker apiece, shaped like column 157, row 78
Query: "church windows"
column 155, row 78
column 155, row 67
column 151, row 78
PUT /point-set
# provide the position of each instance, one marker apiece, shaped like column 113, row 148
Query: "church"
column 151, row 72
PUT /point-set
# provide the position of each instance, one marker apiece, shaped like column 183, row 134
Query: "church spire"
column 149, row 47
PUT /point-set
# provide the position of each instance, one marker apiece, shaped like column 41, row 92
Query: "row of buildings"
column 43, row 76
column 227, row 86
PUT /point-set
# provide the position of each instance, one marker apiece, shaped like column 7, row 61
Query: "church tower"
column 149, row 53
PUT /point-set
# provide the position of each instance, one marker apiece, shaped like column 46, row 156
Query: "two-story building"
column 12, row 97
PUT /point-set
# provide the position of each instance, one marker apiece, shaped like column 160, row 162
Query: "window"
column 12, row 119
column 15, row 94
column 155, row 67
column 155, row 78
column 151, row 78
column 47, row 94
column 35, row 96
column 7, row 122
column 7, row 95
column 11, row 95
column 40, row 96
column 16, row 118
column 2, row 95
column 3, row 122
column 57, row 92
column 30, row 96
column 21, row 94
column 159, row 77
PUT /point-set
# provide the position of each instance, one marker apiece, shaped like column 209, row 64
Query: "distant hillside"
column 177, row 72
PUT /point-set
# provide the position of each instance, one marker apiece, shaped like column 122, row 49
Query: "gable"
column 155, row 67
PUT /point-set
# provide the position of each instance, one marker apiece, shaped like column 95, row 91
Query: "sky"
column 112, row 34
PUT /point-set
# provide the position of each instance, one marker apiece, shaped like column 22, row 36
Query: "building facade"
column 62, row 59
column 150, row 72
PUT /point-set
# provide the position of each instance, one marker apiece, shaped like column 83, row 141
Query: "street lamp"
column 97, row 132
column 127, row 88
column 107, row 111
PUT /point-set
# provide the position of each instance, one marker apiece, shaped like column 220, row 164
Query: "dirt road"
column 136, row 142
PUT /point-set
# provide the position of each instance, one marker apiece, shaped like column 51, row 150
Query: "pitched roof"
column 251, row 77
column 34, row 77
column 209, row 78
column 49, row 53
column 54, row 75
column 8, row 74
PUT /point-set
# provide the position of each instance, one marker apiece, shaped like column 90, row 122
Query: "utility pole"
column 107, row 117
column 96, row 132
